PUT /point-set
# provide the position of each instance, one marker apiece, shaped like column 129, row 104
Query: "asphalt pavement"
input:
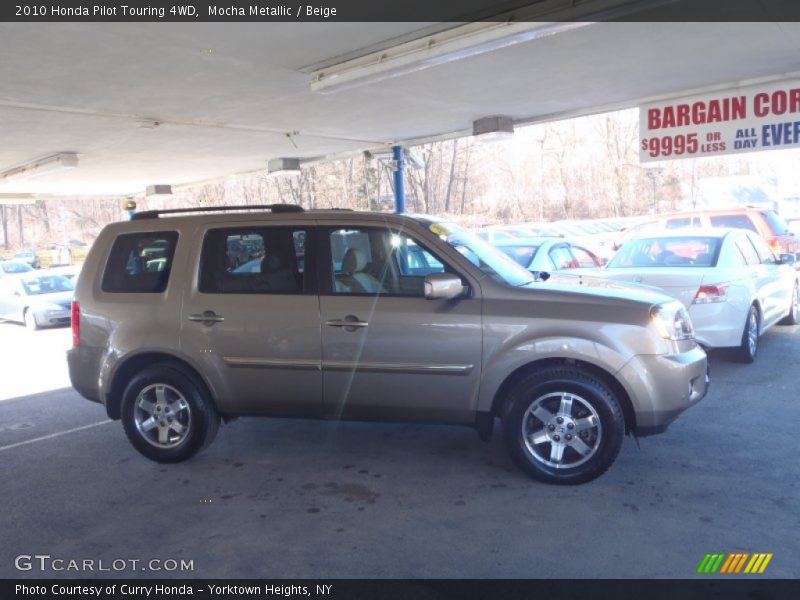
column 313, row 499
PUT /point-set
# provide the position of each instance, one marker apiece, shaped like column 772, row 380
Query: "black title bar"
column 749, row 588
column 401, row 10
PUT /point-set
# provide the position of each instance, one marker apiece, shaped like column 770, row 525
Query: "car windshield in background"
column 688, row 251
column 48, row 284
column 13, row 267
column 483, row 255
column 522, row 255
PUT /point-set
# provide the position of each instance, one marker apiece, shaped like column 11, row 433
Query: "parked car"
column 70, row 271
column 495, row 234
column 763, row 222
column 367, row 329
column 544, row 255
column 27, row 257
column 37, row 300
column 730, row 280
column 14, row 267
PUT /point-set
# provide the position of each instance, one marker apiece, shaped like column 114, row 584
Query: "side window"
column 678, row 223
column 140, row 263
column 733, row 221
column 380, row 261
column 561, row 257
column 748, row 252
column 584, row 258
column 253, row 260
column 765, row 254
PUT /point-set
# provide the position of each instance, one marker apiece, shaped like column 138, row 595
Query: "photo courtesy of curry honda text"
column 186, row 318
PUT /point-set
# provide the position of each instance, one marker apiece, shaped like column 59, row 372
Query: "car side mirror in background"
column 786, row 259
column 443, row 286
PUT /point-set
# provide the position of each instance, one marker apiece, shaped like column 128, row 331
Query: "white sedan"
column 733, row 285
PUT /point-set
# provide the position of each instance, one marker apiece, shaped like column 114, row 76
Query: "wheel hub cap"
column 561, row 430
column 162, row 415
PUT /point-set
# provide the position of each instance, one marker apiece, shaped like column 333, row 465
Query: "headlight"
column 672, row 321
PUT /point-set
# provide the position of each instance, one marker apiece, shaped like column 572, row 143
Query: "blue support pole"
column 399, row 180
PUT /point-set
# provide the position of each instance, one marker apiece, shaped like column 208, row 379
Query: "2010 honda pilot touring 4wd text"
column 349, row 315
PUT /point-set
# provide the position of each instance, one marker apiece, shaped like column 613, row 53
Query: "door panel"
column 252, row 320
column 391, row 353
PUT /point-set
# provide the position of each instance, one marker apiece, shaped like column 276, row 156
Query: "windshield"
column 688, row 251
column 12, row 267
column 481, row 254
column 47, row 284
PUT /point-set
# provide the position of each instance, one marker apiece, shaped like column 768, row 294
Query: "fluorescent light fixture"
column 493, row 129
column 284, row 166
column 460, row 42
column 411, row 158
column 158, row 190
column 17, row 199
column 473, row 39
column 414, row 160
column 41, row 168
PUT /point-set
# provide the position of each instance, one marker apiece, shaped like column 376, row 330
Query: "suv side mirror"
column 443, row 286
column 786, row 259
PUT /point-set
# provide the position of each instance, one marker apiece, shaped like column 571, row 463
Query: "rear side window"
column 140, row 263
column 776, row 223
column 733, row 221
column 748, row 251
column 682, row 222
column 257, row 260
column 561, row 257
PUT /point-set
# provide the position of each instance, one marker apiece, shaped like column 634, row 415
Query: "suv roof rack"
column 276, row 208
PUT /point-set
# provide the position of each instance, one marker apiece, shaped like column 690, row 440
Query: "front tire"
column 747, row 350
column 167, row 414
column 563, row 425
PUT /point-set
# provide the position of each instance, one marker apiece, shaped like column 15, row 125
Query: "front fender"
column 502, row 363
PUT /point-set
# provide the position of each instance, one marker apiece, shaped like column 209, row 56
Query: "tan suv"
column 350, row 315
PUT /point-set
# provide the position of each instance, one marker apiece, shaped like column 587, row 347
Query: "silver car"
column 36, row 299
column 349, row 315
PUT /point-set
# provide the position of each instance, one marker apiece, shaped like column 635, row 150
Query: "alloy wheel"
column 162, row 415
column 561, row 430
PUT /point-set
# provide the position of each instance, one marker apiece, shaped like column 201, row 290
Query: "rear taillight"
column 76, row 324
column 775, row 244
column 711, row 293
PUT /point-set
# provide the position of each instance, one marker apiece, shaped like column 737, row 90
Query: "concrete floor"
column 295, row 499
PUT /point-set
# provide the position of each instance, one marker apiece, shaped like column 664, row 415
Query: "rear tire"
column 563, row 425
column 748, row 349
column 167, row 414
column 793, row 318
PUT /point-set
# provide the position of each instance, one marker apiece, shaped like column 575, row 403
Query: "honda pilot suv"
column 349, row 315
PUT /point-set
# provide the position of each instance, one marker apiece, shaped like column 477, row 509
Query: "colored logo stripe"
column 710, row 563
column 734, row 562
column 758, row 563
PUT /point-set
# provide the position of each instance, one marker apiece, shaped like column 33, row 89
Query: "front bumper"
column 47, row 317
column 661, row 387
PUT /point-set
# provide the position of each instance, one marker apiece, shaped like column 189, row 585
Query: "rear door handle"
column 208, row 317
column 349, row 322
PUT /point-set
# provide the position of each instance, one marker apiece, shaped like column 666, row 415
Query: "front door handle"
column 350, row 323
column 208, row 317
